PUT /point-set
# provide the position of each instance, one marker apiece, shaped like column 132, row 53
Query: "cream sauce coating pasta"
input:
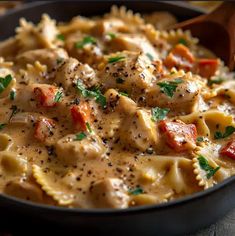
column 112, row 112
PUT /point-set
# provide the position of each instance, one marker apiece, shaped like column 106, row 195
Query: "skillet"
column 177, row 217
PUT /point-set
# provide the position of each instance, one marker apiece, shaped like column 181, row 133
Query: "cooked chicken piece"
column 135, row 43
column 185, row 96
column 83, row 47
column 8, row 48
column 70, row 149
column 106, row 26
column 139, row 131
column 24, row 190
column 49, row 57
column 133, row 73
column 72, row 70
column 121, row 104
column 109, row 193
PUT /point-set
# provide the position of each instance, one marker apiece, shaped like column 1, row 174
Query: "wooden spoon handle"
column 225, row 16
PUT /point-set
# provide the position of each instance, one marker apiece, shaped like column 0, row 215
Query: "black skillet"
column 177, row 217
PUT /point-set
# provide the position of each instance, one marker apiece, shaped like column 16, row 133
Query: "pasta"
column 112, row 112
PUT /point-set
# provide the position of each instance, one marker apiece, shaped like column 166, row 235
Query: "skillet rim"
column 107, row 211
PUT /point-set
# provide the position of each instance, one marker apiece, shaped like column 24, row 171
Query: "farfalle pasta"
column 112, row 112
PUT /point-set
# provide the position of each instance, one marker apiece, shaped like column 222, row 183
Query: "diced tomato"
column 180, row 57
column 43, row 129
column 80, row 115
column 45, row 95
column 179, row 136
column 229, row 150
column 207, row 67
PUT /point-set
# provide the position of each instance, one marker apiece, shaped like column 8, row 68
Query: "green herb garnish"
column 58, row 96
column 60, row 37
column 136, row 191
column 124, row 94
column 115, row 59
column 215, row 81
column 111, row 35
column 4, row 82
column 86, row 40
column 200, row 139
column 88, row 127
column 2, row 126
column 150, row 56
column 210, row 171
column 169, row 87
column 183, row 41
column 59, row 60
column 159, row 113
column 95, row 93
column 14, row 111
column 228, row 131
column 12, row 94
column 80, row 136
column 120, row 81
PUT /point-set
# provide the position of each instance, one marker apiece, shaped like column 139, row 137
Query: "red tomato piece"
column 207, row 67
column 179, row 136
column 80, row 115
column 45, row 95
column 180, row 57
column 229, row 150
column 43, row 129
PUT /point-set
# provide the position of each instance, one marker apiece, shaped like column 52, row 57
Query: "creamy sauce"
column 112, row 113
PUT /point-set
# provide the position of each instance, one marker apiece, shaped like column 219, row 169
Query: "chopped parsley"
column 59, row 60
column 228, row 131
column 58, row 96
column 12, row 94
column 183, row 41
column 14, row 111
column 210, row 171
column 136, row 191
column 150, row 56
column 120, row 80
column 200, row 139
column 2, row 126
column 169, row 87
column 80, row 136
column 4, row 82
column 215, row 81
column 88, row 127
column 95, row 93
column 159, row 113
column 115, row 59
column 60, row 37
column 111, row 35
column 124, row 94
column 86, row 40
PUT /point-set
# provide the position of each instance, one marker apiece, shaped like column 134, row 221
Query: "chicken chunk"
column 134, row 73
column 70, row 149
column 106, row 26
column 180, row 95
column 139, row 131
column 49, row 57
column 135, row 43
column 109, row 193
column 72, row 70
column 85, row 48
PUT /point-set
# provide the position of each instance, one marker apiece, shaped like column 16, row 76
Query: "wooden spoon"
column 215, row 31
